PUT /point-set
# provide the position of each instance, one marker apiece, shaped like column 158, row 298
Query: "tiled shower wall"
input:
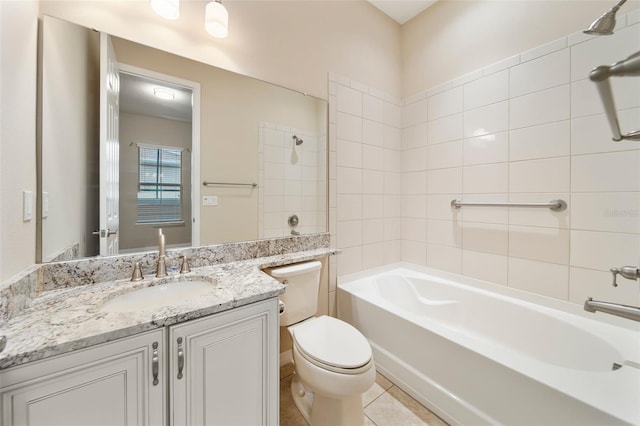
column 530, row 128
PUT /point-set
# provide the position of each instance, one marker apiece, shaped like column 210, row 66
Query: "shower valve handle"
column 629, row 272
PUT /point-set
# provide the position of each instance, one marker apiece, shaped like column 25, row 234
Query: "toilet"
column 333, row 361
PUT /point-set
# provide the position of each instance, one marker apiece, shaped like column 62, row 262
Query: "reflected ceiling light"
column 168, row 9
column 165, row 94
column 216, row 20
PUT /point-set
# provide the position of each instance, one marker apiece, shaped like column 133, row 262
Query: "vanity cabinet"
column 222, row 370
column 108, row 384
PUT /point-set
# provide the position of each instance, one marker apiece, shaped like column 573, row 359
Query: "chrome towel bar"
column 205, row 183
column 557, row 205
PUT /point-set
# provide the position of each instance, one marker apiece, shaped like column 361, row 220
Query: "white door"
column 109, row 148
column 224, row 368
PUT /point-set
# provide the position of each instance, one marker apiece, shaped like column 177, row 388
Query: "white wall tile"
column 542, row 244
column 392, row 137
column 540, row 216
column 546, row 175
column 391, row 114
column 392, row 160
column 372, row 206
column 372, row 231
column 603, row 51
column 349, row 100
column 485, row 237
column 372, row 255
column 392, row 229
column 548, row 279
column 501, row 65
column 585, row 99
column 603, row 250
column 445, row 103
column 539, row 74
column 373, row 133
column 486, row 120
column 485, row 266
column 372, row 108
column 414, row 137
column 439, row 207
column 349, row 181
column 486, row 149
column 392, row 183
column 350, row 260
column 592, row 134
column 372, row 157
column 540, row 107
column 414, row 160
column 392, row 251
column 412, row 206
column 414, row 183
column 617, row 171
column 585, row 283
column 543, row 141
column 445, row 129
column 444, row 155
column 444, row 181
column 444, row 258
column 444, row 232
column 414, row 229
column 414, row 252
column 544, row 50
column 349, row 233
column 392, row 205
column 602, row 211
column 467, row 78
column 349, row 154
column 488, row 90
column 349, row 207
column 490, row 178
column 349, row 127
column 414, row 113
column 372, row 182
column 485, row 214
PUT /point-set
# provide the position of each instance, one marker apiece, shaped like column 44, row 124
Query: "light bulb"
column 216, row 20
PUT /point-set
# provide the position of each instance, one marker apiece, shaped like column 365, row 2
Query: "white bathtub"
column 478, row 353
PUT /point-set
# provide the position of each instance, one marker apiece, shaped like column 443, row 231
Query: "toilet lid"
column 332, row 342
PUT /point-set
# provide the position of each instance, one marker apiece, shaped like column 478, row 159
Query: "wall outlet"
column 27, row 206
column 210, row 200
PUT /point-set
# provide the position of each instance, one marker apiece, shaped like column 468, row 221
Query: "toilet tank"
column 301, row 295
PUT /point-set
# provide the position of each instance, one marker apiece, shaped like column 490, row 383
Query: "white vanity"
column 73, row 359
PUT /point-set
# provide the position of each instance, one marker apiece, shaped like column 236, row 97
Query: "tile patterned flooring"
column 384, row 405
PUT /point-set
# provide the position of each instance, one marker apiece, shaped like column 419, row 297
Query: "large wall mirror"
column 134, row 139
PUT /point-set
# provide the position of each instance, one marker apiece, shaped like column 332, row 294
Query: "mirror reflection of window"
column 159, row 185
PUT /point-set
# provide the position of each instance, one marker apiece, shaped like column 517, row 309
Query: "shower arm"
column 628, row 67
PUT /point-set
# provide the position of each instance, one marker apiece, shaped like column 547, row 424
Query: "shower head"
column 299, row 141
column 605, row 24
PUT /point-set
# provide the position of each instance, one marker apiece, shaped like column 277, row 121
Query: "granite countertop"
column 63, row 320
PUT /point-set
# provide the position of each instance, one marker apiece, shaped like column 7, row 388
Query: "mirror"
column 242, row 132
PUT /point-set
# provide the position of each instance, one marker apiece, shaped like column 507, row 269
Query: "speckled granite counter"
column 65, row 319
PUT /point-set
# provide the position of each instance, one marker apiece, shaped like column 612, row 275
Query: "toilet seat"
column 332, row 344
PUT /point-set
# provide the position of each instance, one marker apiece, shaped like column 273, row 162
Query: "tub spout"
column 624, row 311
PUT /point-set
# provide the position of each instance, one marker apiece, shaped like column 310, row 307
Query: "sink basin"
column 159, row 296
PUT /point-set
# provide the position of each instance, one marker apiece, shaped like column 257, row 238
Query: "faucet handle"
column 185, row 268
column 629, row 272
column 614, row 272
column 137, row 272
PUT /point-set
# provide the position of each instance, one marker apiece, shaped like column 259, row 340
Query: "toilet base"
column 319, row 410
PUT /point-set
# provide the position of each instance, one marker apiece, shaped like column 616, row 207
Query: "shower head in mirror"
column 297, row 140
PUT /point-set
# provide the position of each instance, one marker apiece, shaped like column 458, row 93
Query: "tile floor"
column 384, row 405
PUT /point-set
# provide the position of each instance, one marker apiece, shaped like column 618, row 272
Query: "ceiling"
column 137, row 97
column 402, row 10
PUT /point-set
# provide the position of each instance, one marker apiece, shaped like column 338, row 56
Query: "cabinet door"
column 109, row 384
column 230, row 369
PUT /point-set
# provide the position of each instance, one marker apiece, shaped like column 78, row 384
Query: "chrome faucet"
column 161, row 266
column 629, row 272
column 624, row 311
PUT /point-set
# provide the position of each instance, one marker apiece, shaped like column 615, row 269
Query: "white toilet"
column 333, row 361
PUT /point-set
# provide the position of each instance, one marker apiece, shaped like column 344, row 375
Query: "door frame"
column 195, row 138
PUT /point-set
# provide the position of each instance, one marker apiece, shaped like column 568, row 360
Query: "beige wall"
column 291, row 43
column 453, row 38
column 232, row 107
column 18, row 35
column 69, row 134
column 134, row 129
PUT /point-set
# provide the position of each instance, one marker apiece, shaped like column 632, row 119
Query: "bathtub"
column 477, row 353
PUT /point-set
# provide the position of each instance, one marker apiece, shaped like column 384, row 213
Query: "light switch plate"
column 45, row 204
column 27, row 205
column 210, row 200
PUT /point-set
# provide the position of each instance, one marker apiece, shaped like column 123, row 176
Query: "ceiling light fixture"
column 216, row 20
column 164, row 94
column 168, row 9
